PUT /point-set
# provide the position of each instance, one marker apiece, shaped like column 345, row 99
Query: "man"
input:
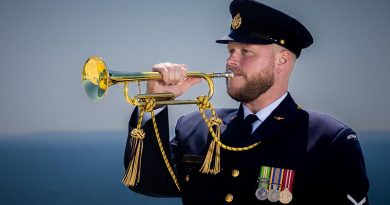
column 293, row 156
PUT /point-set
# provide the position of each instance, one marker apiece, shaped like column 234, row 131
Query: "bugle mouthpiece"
column 222, row 75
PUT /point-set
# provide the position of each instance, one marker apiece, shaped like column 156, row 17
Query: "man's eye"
column 245, row 52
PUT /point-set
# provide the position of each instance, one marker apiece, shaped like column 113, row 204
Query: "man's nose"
column 232, row 61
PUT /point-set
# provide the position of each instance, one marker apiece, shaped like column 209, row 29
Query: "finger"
column 171, row 73
column 183, row 72
column 162, row 69
column 177, row 74
column 180, row 73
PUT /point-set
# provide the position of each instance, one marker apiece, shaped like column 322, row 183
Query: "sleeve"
column 155, row 179
column 351, row 178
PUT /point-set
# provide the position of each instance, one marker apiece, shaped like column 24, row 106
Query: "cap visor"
column 243, row 37
column 224, row 40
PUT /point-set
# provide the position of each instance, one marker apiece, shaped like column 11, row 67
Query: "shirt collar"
column 265, row 112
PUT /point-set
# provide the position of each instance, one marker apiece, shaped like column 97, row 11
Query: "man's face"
column 253, row 67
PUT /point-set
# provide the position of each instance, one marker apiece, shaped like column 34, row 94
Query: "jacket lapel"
column 277, row 122
column 231, row 128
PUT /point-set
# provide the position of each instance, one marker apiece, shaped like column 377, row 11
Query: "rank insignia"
column 236, row 22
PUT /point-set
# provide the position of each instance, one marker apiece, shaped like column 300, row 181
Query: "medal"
column 261, row 194
column 287, row 183
column 276, row 177
column 264, row 176
column 285, row 196
column 275, row 184
column 273, row 195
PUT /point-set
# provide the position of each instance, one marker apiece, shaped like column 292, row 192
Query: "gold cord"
column 164, row 155
column 210, row 165
column 132, row 175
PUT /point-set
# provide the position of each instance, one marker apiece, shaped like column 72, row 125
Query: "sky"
column 45, row 43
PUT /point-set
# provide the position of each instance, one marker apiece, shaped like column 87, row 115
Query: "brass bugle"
column 96, row 79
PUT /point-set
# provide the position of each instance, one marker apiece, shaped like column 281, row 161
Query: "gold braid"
column 132, row 175
column 210, row 165
column 164, row 155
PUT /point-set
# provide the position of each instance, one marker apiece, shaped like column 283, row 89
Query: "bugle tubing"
column 96, row 79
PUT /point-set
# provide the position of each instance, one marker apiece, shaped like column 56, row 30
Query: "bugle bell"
column 96, row 79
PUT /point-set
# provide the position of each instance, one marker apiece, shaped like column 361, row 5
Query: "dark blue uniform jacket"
column 324, row 153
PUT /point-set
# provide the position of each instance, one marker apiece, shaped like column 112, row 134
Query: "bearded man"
column 272, row 151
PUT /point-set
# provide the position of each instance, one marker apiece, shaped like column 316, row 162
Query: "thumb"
column 189, row 82
column 183, row 86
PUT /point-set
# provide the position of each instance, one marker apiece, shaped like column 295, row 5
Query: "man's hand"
column 174, row 79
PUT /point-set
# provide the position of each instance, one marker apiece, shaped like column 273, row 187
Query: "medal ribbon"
column 288, row 179
column 264, row 176
column 276, row 177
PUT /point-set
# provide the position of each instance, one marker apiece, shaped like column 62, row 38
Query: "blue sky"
column 44, row 44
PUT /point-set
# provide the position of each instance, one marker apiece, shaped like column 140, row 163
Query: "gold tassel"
column 132, row 175
column 133, row 172
column 211, row 163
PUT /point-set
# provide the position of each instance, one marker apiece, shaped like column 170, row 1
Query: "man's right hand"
column 174, row 79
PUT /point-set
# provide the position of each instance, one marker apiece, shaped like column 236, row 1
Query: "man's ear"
column 285, row 60
column 282, row 60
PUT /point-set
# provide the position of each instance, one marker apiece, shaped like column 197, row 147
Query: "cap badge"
column 236, row 22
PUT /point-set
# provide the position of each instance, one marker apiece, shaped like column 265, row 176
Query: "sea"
column 63, row 168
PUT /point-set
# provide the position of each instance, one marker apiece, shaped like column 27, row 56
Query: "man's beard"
column 254, row 86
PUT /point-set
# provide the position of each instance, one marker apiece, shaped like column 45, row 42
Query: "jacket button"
column 235, row 172
column 229, row 198
column 187, row 178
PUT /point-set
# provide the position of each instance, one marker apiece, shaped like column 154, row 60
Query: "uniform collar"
column 276, row 122
column 266, row 111
column 281, row 117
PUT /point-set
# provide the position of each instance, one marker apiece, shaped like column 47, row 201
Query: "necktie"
column 248, row 121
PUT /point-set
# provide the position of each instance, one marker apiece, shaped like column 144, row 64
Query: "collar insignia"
column 236, row 22
column 279, row 118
